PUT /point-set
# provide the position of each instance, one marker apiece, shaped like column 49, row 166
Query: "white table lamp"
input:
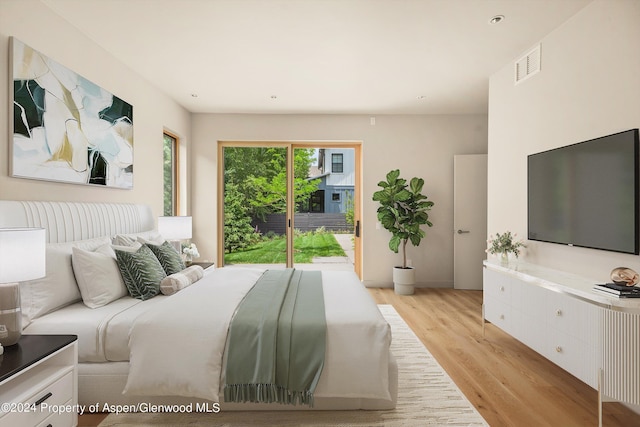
column 175, row 229
column 22, row 257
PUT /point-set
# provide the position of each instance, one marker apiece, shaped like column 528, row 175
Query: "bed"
column 359, row 370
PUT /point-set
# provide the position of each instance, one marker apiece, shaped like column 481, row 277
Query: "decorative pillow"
column 178, row 281
column 141, row 272
column 98, row 276
column 58, row 288
column 169, row 258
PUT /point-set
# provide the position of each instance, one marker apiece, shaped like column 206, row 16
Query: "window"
column 335, row 197
column 336, row 163
column 170, row 168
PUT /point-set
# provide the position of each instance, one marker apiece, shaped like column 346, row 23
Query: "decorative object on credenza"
column 403, row 210
column 620, row 291
column 190, row 253
column 22, row 257
column 66, row 128
column 504, row 244
column 624, row 276
column 175, row 229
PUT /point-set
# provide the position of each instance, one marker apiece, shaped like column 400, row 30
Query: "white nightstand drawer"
column 28, row 414
column 60, row 419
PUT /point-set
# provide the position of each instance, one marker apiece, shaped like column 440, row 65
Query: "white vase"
column 404, row 280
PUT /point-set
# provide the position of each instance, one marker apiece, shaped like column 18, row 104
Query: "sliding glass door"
column 255, row 205
column 325, row 202
column 289, row 204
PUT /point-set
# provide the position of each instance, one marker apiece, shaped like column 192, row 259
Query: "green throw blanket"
column 277, row 339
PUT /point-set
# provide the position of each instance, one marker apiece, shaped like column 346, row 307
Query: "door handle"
column 358, row 228
column 462, row 231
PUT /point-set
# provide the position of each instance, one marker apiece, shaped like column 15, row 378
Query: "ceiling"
column 319, row 56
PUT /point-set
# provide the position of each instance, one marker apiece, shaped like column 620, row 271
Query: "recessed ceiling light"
column 496, row 19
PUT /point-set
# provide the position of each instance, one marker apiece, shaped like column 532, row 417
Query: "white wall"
column 421, row 146
column 37, row 26
column 588, row 86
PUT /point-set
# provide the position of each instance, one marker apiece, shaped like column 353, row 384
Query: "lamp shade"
column 22, row 254
column 175, row 227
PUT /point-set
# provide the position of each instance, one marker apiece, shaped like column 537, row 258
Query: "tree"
column 260, row 176
column 238, row 232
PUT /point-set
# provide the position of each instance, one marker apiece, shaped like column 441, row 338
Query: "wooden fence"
column 304, row 222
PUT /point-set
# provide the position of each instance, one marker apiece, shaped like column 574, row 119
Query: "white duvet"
column 177, row 346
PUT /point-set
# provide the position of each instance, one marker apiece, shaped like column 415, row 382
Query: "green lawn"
column 307, row 246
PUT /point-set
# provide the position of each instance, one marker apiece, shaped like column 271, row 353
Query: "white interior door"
column 469, row 219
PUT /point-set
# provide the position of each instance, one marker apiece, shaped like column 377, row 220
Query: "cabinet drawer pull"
column 501, row 288
column 43, row 398
column 558, row 312
column 502, row 317
column 558, row 349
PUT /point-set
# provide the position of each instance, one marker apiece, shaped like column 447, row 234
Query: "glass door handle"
column 358, row 228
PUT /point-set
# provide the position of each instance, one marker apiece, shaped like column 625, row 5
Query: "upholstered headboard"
column 70, row 221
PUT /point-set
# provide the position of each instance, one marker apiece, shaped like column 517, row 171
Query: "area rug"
column 426, row 396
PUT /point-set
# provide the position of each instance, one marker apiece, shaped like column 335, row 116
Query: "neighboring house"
column 336, row 172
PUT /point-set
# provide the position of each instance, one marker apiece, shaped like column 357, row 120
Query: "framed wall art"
column 65, row 127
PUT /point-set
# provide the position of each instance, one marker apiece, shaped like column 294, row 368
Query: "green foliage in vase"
column 505, row 243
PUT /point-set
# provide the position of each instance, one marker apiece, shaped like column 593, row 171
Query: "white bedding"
column 103, row 332
column 187, row 360
column 177, row 347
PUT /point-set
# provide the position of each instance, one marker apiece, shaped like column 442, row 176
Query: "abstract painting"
column 65, row 127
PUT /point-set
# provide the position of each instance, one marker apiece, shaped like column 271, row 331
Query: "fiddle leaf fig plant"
column 403, row 210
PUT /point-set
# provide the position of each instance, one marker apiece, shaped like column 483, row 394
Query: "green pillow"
column 169, row 258
column 141, row 272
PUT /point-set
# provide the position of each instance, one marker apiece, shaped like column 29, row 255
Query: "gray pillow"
column 169, row 258
column 141, row 272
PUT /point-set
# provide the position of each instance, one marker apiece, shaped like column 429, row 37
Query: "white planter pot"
column 404, row 280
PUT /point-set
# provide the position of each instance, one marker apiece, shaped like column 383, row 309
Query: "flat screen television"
column 586, row 194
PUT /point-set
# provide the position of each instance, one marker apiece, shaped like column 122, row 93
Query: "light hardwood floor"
column 509, row 384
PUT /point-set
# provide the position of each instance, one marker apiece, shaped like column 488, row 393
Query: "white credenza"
column 594, row 337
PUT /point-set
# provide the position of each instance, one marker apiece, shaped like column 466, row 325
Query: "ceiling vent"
column 528, row 65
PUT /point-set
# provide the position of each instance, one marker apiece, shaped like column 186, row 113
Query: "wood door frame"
column 290, row 146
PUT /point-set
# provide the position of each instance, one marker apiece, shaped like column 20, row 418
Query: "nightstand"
column 205, row 265
column 39, row 381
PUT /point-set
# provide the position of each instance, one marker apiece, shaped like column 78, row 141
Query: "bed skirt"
column 102, row 384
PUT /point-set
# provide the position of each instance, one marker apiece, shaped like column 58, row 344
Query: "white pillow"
column 98, row 276
column 58, row 288
column 129, row 239
column 155, row 240
column 126, row 248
